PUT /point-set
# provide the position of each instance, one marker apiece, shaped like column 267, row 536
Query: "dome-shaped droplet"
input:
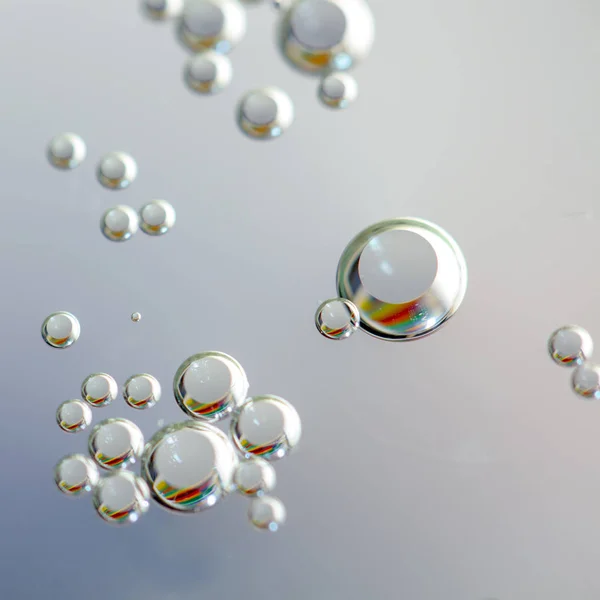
column 121, row 498
column 570, row 346
column 117, row 170
column 267, row 513
column 265, row 113
column 99, row 389
column 266, row 426
column 337, row 319
column 255, row 477
column 76, row 474
column 208, row 72
column 338, row 90
column 161, row 10
column 73, row 416
column 141, row 391
column 119, row 223
column 115, row 443
column 136, row 317
column 586, row 381
column 60, row 329
column 66, row 151
column 157, row 217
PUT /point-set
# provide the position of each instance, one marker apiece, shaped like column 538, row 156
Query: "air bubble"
column 119, row 223
column 265, row 113
column 338, row 90
column 161, row 10
column 189, row 466
column 60, row 329
column 266, row 426
column 142, row 391
column 255, row 477
column 208, row 72
column 136, row 317
column 121, row 498
column 66, row 151
column 586, row 381
column 210, row 385
column 337, row 319
column 73, row 416
column 76, row 474
column 99, row 389
column 115, row 443
column 267, row 513
column 570, row 346
column 117, row 170
column 157, row 217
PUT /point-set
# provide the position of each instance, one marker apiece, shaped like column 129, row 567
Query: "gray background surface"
column 458, row 467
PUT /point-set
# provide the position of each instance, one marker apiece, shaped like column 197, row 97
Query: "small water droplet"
column 570, row 346
column 337, row 319
column 99, row 389
column 119, row 223
column 76, row 474
column 338, row 90
column 117, row 170
column 60, row 329
column 115, row 443
column 161, row 10
column 66, row 151
column 73, row 416
column 208, row 72
column 157, row 217
column 142, row 391
column 121, row 498
column 267, row 513
column 586, row 381
column 265, row 113
column 136, row 317
column 255, row 477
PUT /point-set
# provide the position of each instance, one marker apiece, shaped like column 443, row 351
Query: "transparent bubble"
column 255, row 477
column 338, row 90
column 121, row 498
column 99, row 389
column 208, row 72
column 212, row 24
column 161, row 10
column 73, row 416
column 407, row 277
column 267, row 513
column 119, row 223
column 265, row 113
column 266, row 426
column 117, row 170
column 189, row 466
column 136, row 317
column 337, row 319
column 75, row 474
column 586, row 381
column 570, row 346
column 116, row 443
column 157, row 217
column 142, row 391
column 210, row 385
column 317, row 36
column 66, row 151
column 60, row 329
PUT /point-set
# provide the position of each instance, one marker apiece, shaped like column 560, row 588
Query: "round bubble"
column 142, row 391
column 337, row 319
column 570, row 346
column 317, row 36
column 586, row 381
column 115, row 443
column 60, row 329
column 99, row 389
column 208, row 72
column 117, row 170
column 119, row 223
column 121, row 498
column 136, row 317
column 75, row 474
column 338, row 90
column 265, row 113
column 266, row 426
column 267, row 513
column 73, row 416
column 210, row 385
column 66, row 151
column 157, row 217
column 161, row 10
column 255, row 477
column 189, row 466
column 407, row 277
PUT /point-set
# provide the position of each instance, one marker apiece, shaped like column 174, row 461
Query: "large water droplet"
column 117, row 170
column 75, row 474
column 570, row 346
column 265, row 113
column 255, row 477
column 66, row 151
column 73, row 416
column 99, row 389
column 60, row 329
column 115, row 443
column 337, row 319
column 157, row 217
column 142, row 391
column 121, row 498
column 267, row 513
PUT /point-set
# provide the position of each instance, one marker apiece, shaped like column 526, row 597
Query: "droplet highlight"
column 117, row 170
column 570, row 346
column 115, row 443
column 66, row 151
column 267, row 513
column 121, row 498
column 265, row 113
column 338, row 90
column 119, row 223
column 76, row 474
column 60, row 330
column 157, row 217
column 99, row 389
column 73, row 416
column 337, row 319
column 255, row 477
column 141, row 391
column 208, row 72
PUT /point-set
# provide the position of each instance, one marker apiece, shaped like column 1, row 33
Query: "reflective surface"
column 121, row 498
column 570, row 346
column 66, row 151
column 99, row 389
column 119, row 223
column 142, row 391
column 115, row 443
column 338, row 90
column 75, row 475
column 337, row 319
column 208, row 72
column 265, row 113
column 60, row 329
column 73, row 416
column 255, row 477
column 117, row 170
column 267, row 513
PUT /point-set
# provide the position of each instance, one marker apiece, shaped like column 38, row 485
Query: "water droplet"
column 316, row 36
column 60, row 329
column 75, row 474
column 216, row 24
column 338, row 90
column 121, row 498
column 267, row 513
column 119, row 223
column 210, row 385
column 255, row 477
column 117, row 170
column 157, row 217
column 99, row 389
column 407, row 277
column 66, row 151
column 142, row 391
column 570, row 346
column 189, row 466
column 265, row 113
column 266, row 426
column 208, row 72
column 161, row 10
column 136, row 317
column 115, row 443
column 337, row 319
column 586, row 381
column 73, row 416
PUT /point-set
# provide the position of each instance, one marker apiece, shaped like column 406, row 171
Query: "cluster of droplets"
column 572, row 346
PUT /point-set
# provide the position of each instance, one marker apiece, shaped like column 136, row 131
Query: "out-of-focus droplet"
column 60, row 329
column 212, row 24
column 317, row 36
column 586, row 381
column 210, row 385
column 66, row 151
column 115, row 443
column 119, row 223
column 73, row 416
column 136, row 317
column 117, row 170
column 570, row 346
column 141, row 391
column 337, row 319
column 255, row 477
column 208, row 72
column 121, row 498
column 157, row 217
column 267, row 513
column 266, row 426
column 161, row 10
column 76, row 474
column 189, row 466
column 99, row 389
column 265, row 113
column 338, row 90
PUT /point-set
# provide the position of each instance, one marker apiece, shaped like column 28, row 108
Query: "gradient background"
column 458, row 467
